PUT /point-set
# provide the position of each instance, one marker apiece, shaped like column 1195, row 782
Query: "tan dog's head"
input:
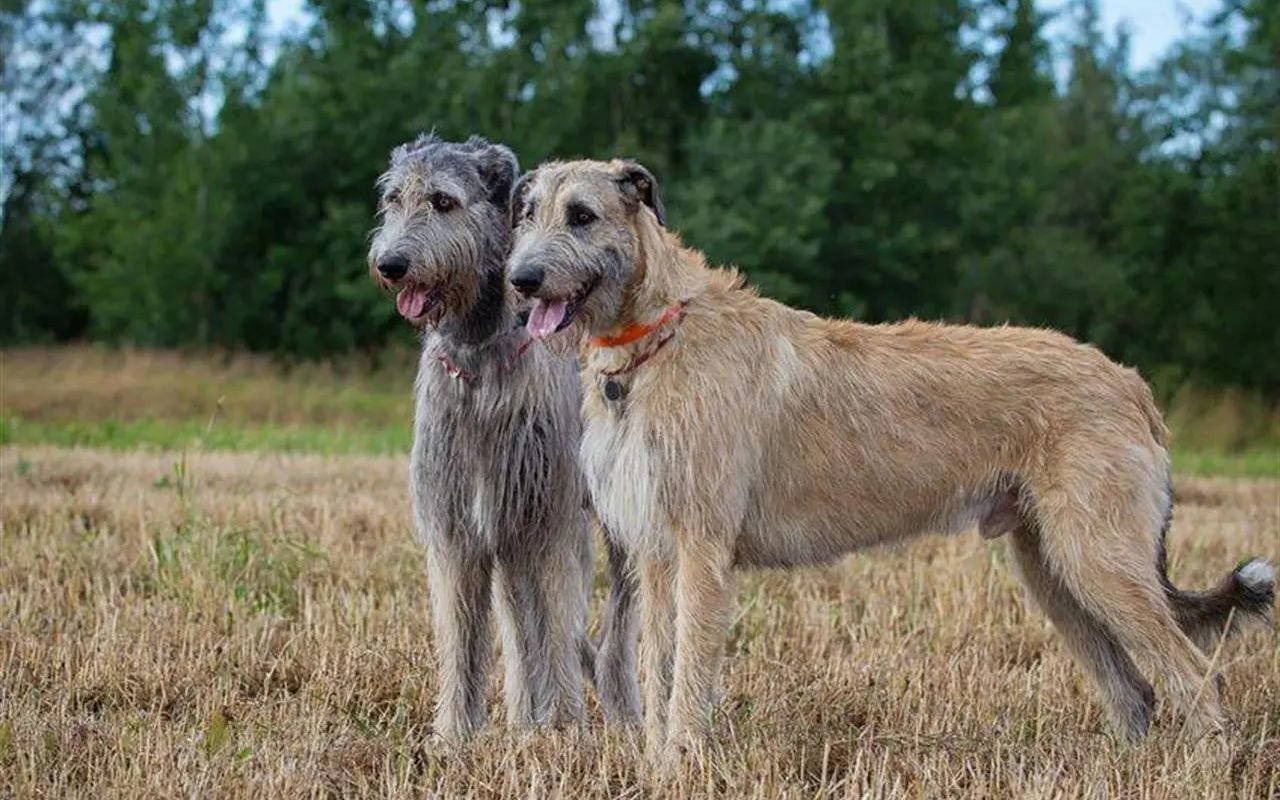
column 579, row 229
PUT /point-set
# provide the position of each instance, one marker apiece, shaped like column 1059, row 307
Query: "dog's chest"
column 484, row 465
column 623, row 470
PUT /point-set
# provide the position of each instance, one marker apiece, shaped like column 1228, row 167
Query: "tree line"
column 180, row 173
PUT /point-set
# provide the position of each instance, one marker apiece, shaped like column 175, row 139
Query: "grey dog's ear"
column 520, row 197
column 639, row 184
column 498, row 167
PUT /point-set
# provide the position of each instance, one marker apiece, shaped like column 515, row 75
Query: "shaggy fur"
column 497, row 495
column 740, row 432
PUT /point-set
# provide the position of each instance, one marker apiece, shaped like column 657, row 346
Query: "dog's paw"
column 450, row 733
column 684, row 747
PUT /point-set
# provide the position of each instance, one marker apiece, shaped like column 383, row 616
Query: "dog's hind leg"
column 1101, row 544
column 542, row 604
column 460, row 599
column 523, row 619
column 1126, row 695
column 565, row 584
column 615, row 667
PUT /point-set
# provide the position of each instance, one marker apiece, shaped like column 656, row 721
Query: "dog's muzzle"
column 393, row 268
column 527, row 279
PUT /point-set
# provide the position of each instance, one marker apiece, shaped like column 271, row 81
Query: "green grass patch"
column 335, row 439
column 1261, row 461
column 1256, row 462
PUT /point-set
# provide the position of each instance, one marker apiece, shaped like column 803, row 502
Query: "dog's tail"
column 1248, row 591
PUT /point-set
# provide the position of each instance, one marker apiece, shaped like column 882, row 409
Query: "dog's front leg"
column 657, row 645
column 703, row 598
column 459, row 587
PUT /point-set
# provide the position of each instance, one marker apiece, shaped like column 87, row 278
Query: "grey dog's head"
column 445, row 231
column 580, row 228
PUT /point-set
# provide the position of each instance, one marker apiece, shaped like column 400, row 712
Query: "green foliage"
column 328, row 439
column 1020, row 75
column 202, row 181
column 788, row 174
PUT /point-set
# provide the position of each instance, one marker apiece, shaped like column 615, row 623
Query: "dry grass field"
column 254, row 624
column 180, row 620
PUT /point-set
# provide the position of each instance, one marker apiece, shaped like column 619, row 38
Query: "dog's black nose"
column 393, row 268
column 527, row 280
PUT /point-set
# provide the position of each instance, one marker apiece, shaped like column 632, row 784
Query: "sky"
column 1154, row 24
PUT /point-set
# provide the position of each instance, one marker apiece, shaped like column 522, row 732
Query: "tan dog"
column 724, row 429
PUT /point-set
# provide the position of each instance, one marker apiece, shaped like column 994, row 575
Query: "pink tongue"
column 545, row 318
column 411, row 301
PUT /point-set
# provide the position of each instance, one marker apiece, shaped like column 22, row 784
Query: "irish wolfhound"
column 495, row 486
column 723, row 429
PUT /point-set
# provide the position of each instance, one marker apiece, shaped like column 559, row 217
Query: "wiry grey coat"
column 497, row 496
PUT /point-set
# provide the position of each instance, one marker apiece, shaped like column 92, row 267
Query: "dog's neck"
column 488, row 318
column 667, row 278
column 666, row 273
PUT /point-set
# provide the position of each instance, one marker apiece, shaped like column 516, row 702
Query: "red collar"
column 467, row 376
column 638, row 330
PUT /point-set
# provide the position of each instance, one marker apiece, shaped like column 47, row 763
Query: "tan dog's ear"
column 639, row 184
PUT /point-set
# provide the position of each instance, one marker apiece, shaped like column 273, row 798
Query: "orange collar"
column 638, row 330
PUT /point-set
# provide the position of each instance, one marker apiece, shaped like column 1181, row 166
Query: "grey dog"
column 498, row 498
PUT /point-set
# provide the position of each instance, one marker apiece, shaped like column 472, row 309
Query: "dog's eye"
column 391, row 197
column 581, row 216
column 442, row 202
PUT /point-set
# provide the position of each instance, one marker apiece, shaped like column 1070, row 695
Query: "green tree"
column 787, row 174
column 894, row 105
column 1021, row 74
column 197, row 182
column 1201, row 227
column 44, row 125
